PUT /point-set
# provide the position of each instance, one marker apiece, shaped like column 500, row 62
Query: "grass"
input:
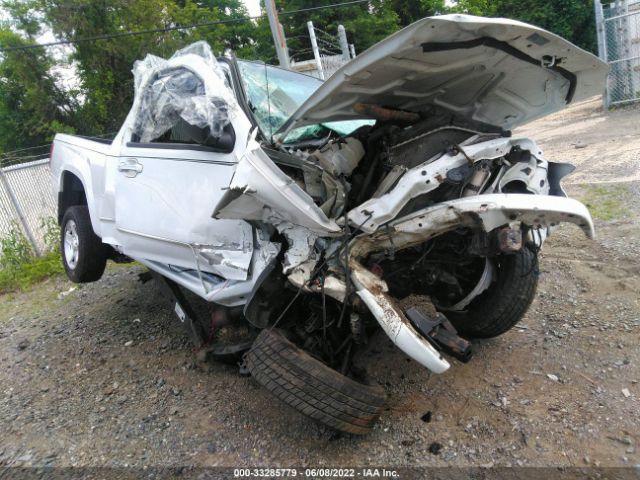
column 21, row 276
column 607, row 202
column 19, row 266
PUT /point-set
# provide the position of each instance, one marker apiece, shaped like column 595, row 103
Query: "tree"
column 32, row 105
column 571, row 19
column 409, row 11
column 104, row 66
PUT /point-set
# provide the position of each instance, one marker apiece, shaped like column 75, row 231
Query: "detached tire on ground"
column 504, row 303
column 312, row 388
column 84, row 256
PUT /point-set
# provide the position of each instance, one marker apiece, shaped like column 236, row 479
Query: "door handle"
column 130, row 167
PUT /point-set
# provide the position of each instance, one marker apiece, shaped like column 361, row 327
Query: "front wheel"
column 83, row 254
column 503, row 304
column 312, row 388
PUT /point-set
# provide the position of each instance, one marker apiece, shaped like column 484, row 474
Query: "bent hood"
column 492, row 70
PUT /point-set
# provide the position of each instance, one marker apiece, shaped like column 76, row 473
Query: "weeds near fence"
column 15, row 249
column 19, row 266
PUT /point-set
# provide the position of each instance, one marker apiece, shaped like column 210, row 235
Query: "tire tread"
column 503, row 305
column 312, row 388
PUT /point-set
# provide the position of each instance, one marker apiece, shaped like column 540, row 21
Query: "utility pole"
column 344, row 45
column 279, row 40
column 314, row 46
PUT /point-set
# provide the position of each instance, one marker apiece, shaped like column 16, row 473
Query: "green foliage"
column 31, row 104
column 104, row 66
column 19, row 267
column 15, row 249
column 27, row 274
column 409, row 11
column 50, row 233
column 485, row 8
column 571, row 19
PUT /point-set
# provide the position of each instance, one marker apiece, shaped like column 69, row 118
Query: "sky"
column 253, row 6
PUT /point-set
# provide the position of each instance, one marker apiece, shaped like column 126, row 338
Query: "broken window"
column 184, row 99
column 274, row 94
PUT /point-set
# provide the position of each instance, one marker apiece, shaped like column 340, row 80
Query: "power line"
column 108, row 36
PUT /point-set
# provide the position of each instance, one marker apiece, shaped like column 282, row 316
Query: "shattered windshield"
column 274, row 94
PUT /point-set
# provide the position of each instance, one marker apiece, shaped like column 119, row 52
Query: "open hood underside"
column 496, row 71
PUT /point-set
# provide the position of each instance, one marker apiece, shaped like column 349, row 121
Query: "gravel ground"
column 104, row 376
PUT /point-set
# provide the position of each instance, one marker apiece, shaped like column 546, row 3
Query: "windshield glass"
column 274, row 94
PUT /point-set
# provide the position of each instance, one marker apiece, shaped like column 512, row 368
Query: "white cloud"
column 253, row 6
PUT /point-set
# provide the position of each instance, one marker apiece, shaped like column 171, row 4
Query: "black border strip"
column 178, row 146
column 505, row 47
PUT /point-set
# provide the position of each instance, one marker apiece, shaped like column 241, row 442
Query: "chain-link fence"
column 618, row 27
column 27, row 199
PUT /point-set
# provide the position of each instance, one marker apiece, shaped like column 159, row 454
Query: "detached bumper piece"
column 441, row 334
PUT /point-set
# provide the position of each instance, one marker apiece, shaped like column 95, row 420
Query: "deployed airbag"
column 190, row 86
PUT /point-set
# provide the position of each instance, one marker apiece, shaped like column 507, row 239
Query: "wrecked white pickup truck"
column 303, row 212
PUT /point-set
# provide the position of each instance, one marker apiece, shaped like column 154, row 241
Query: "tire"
column 84, row 256
column 504, row 303
column 312, row 388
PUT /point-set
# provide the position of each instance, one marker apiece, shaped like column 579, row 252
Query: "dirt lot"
column 103, row 375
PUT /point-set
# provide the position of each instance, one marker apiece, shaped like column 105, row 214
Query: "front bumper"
column 485, row 212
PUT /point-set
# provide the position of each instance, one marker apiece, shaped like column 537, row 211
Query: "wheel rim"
column 486, row 278
column 71, row 244
column 482, row 282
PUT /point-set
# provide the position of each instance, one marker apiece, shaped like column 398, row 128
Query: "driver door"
column 165, row 194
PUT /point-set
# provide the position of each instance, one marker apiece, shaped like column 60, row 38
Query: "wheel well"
column 72, row 193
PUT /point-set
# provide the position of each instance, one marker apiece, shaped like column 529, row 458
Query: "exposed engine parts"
column 324, row 170
column 443, row 164
column 479, row 176
column 390, row 211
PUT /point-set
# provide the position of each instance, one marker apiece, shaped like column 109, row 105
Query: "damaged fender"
column 259, row 190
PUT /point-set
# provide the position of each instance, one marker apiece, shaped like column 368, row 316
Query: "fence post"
column 316, row 51
column 628, row 49
column 600, row 29
column 344, row 45
column 16, row 206
column 601, row 33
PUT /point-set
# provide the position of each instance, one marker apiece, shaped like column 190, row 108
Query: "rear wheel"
column 503, row 304
column 312, row 388
column 83, row 254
